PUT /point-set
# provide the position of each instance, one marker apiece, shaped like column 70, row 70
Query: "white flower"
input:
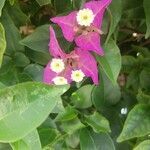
column 124, row 111
column 85, row 17
column 77, row 75
column 60, row 80
column 57, row 65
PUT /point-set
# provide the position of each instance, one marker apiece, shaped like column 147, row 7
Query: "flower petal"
column 90, row 42
column 67, row 74
column 87, row 64
column 48, row 74
column 54, row 47
column 98, row 8
column 67, row 24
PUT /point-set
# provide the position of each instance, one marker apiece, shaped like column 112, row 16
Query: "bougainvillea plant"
column 65, row 68
column 74, row 75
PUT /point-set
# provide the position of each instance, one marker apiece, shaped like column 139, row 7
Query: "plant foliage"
column 113, row 115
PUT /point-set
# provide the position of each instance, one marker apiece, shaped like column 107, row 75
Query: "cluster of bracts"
column 83, row 28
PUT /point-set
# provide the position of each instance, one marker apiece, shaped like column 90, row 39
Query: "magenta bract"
column 76, row 60
column 87, row 38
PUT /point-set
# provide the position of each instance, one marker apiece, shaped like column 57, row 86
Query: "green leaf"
column 12, row 2
column 35, row 71
column 47, row 135
column 86, row 141
column 98, row 122
column 115, row 12
column 43, row 2
column 3, row 43
column 73, row 140
column 102, row 141
column 20, row 59
column 59, row 107
column 2, row 85
column 24, row 107
column 12, row 34
column 111, row 61
column 4, row 146
column 145, row 145
column 2, row 2
column 80, row 98
column 68, row 114
column 17, row 15
column 62, row 6
column 71, row 126
column 142, row 50
column 143, row 97
column 38, row 40
column 93, row 141
column 137, row 123
column 147, row 14
column 29, row 142
column 38, row 57
column 145, row 79
column 77, row 4
column 105, row 94
column 128, row 63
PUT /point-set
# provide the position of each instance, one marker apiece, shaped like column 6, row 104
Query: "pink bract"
column 91, row 40
column 77, row 59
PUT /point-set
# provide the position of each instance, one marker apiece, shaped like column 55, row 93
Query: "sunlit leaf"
column 24, row 107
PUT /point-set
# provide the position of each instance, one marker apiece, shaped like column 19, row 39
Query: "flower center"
column 60, row 80
column 85, row 17
column 77, row 75
column 57, row 65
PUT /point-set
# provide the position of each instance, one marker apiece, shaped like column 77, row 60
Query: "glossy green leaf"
column 102, row 141
column 86, row 141
column 47, row 135
column 43, row 2
column 111, row 61
column 38, row 40
column 12, row 34
column 68, row 114
column 146, row 4
column 145, row 145
column 73, row 140
column 29, row 142
column 137, row 123
column 2, row 43
column 2, row 2
column 22, row 103
column 72, row 126
column 80, row 98
column 98, row 122
column 93, row 141
column 115, row 12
